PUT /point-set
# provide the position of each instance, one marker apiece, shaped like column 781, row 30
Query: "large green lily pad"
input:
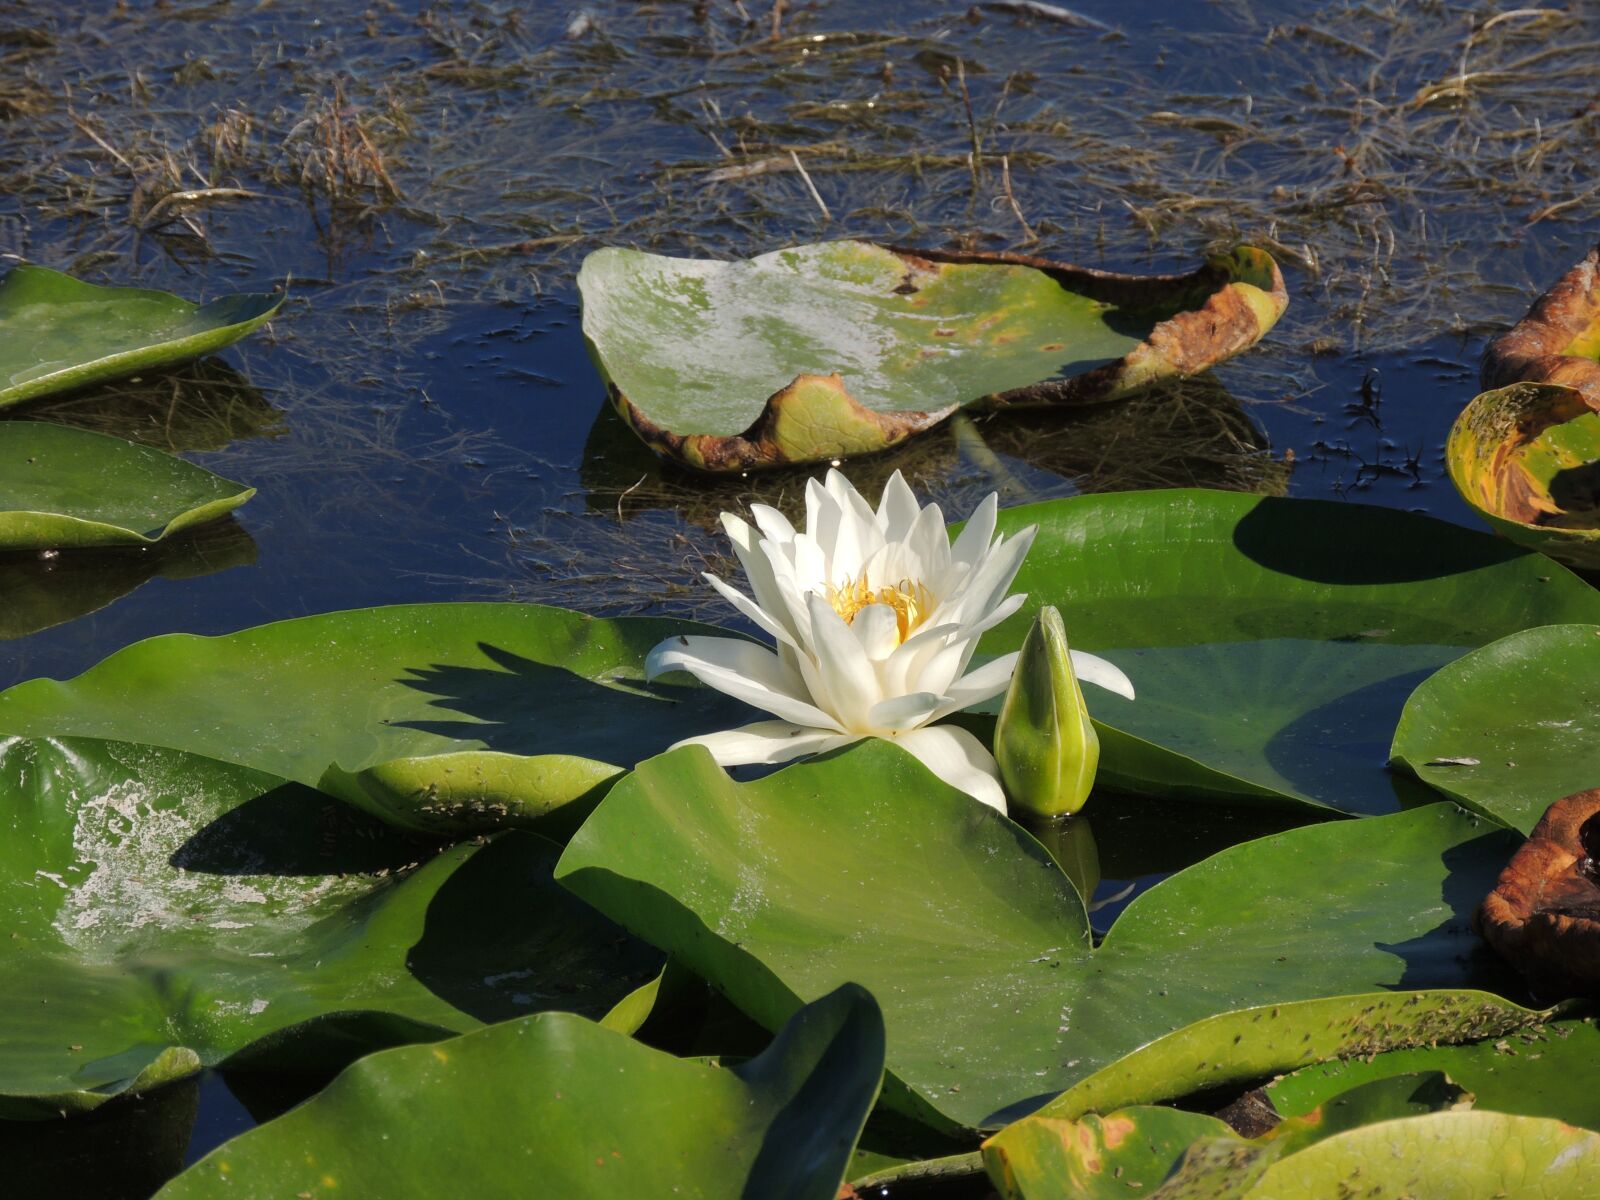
column 165, row 911
column 1509, row 729
column 62, row 487
column 779, row 889
column 554, row 1105
column 1527, row 459
column 58, row 333
column 1272, row 642
column 441, row 717
column 1540, row 1072
column 809, row 354
column 1405, row 1136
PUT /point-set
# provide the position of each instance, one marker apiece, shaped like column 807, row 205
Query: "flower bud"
column 1044, row 742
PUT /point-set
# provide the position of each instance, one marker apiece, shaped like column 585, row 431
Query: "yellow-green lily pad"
column 1527, row 459
column 69, row 487
column 819, row 352
column 57, row 332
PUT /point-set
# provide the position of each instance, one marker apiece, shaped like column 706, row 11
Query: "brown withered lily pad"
column 825, row 351
column 1527, row 458
column 1558, row 341
column 1544, row 913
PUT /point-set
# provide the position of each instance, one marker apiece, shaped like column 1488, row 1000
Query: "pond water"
column 422, row 419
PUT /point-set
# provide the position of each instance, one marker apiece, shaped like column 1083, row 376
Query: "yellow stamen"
column 910, row 600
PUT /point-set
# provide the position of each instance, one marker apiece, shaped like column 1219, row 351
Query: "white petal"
column 749, row 548
column 897, row 509
column 959, row 759
column 903, row 713
column 877, row 628
column 774, row 625
column 927, row 546
column 772, row 523
column 902, row 668
column 1090, row 668
column 847, row 673
column 1001, row 611
column 991, row 579
column 977, row 686
column 767, row 742
column 742, row 670
column 973, row 542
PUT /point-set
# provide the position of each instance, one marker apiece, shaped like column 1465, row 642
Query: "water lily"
column 875, row 617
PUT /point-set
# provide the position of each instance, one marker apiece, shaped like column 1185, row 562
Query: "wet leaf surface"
column 166, row 912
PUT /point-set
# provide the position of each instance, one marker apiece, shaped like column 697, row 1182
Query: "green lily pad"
column 166, row 912
column 1272, row 642
column 1509, row 729
column 1170, row 1153
column 63, row 487
column 1406, row 1136
column 1527, row 459
column 807, row 354
column 1540, row 1072
column 446, row 718
column 58, row 333
column 554, row 1105
column 777, row 890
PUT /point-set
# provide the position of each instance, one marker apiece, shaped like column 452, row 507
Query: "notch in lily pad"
column 1527, row 459
column 812, row 353
column 58, row 333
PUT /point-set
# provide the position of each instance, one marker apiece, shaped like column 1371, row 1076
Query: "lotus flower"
column 875, row 616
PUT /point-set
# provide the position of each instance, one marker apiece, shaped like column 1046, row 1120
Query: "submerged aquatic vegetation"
column 876, row 617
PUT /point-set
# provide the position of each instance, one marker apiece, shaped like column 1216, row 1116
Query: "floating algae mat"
column 823, row 351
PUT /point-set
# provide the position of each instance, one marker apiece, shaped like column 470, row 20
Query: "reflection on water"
column 41, row 590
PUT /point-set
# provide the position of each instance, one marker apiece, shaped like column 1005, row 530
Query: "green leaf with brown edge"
column 1510, row 728
column 1237, row 1048
column 444, row 718
column 1527, row 459
column 554, row 1105
column 779, row 889
column 1542, row 1071
column 164, row 912
column 63, row 488
column 59, row 333
column 1169, row 1153
column 808, row 354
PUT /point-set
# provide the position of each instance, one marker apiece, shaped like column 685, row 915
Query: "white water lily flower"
column 875, row 616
